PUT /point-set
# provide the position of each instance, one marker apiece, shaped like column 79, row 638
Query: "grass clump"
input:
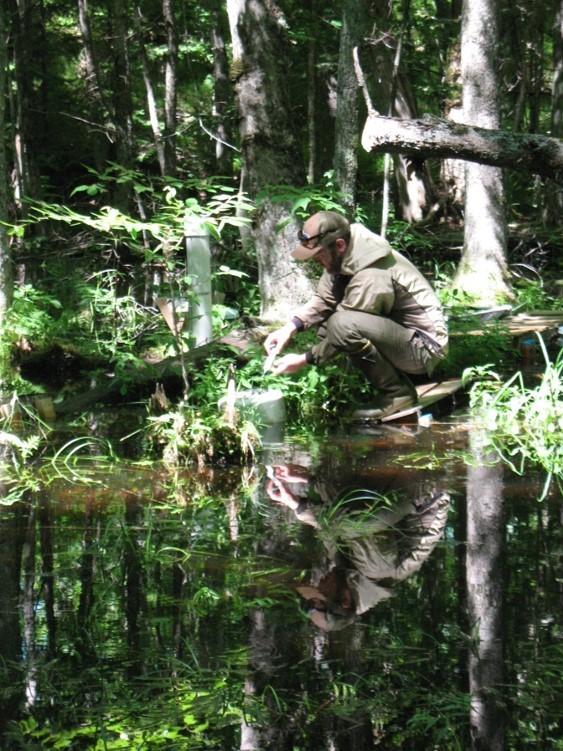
column 522, row 424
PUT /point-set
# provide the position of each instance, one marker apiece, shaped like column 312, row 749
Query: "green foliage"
column 186, row 435
column 94, row 304
column 522, row 424
column 307, row 199
column 472, row 345
column 33, row 459
column 534, row 295
column 172, row 217
column 35, row 316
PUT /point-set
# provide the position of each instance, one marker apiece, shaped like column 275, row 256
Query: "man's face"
column 329, row 258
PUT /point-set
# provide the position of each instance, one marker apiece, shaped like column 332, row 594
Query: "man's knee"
column 342, row 330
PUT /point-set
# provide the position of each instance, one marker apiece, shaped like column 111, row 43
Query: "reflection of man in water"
column 373, row 542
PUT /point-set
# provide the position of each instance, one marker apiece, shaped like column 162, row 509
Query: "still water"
column 384, row 589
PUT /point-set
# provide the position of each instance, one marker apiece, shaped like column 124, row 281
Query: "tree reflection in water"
column 167, row 609
column 485, row 600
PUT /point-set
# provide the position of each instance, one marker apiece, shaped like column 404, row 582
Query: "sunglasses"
column 306, row 239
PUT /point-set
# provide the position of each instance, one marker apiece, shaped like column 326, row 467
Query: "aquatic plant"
column 185, row 435
column 522, row 424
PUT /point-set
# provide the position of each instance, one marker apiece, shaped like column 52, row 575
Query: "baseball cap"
column 328, row 227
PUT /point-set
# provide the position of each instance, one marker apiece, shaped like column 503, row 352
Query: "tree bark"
column 222, row 96
column 355, row 16
column 452, row 171
column 269, row 149
column 24, row 105
column 554, row 198
column 6, row 281
column 99, row 109
column 393, row 95
column 170, row 87
column 151, row 98
column 483, row 270
column 122, row 102
column 431, row 137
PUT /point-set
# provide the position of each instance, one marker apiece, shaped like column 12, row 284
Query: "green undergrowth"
column 523, row 424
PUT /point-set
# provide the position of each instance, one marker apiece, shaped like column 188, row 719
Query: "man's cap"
column 327, row 226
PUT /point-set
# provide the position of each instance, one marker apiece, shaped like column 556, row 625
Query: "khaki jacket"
column 381, row 281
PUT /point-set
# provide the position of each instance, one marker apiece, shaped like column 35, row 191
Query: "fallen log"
column 144, row 378
column 430, row 136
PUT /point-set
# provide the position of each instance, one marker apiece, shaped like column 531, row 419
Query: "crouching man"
column 372, row 305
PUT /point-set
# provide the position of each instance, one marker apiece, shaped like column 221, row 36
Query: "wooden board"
column 429, row 395
column 524, row 323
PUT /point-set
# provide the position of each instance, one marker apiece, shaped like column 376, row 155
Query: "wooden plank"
column 428, row 394
column 524, row 323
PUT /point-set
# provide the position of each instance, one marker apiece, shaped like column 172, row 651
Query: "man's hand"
column 277, row 340
column 280, row 494
column 291, row 472
column 289, row 364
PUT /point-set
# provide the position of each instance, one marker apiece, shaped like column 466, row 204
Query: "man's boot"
column 396, row 393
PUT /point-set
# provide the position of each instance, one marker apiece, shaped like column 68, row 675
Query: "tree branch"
column 432, row 137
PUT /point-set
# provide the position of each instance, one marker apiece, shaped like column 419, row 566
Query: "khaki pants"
column 406, row 350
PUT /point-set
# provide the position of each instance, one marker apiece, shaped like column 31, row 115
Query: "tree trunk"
column 393, row 95
column 269, row 148
column 452, row 171
column 99, row 109
column 170, row 86
column 554, row 202
column 312, row 171
column 151, row 98
column 222, row 96
column 6, row 280
column 122, row 104
column 431, row 137
column 482, row 272
column 355, row 17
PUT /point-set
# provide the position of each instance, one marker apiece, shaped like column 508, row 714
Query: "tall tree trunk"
column 170, row 87
column 6, row 279
column 269, row 148
column 151, row 98
column 482, row 272
column 222, row 96
column 355, row 16
column 554, row 193
column 452, row 171
column 122, row 104
column 26, row 129
column 392, row 95
column 311, row 102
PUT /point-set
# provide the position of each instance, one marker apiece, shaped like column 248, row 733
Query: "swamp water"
column 387, row 589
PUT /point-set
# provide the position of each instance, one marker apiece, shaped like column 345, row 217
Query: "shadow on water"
column 391, row 589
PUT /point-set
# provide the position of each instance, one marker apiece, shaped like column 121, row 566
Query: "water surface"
column 380, row 589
